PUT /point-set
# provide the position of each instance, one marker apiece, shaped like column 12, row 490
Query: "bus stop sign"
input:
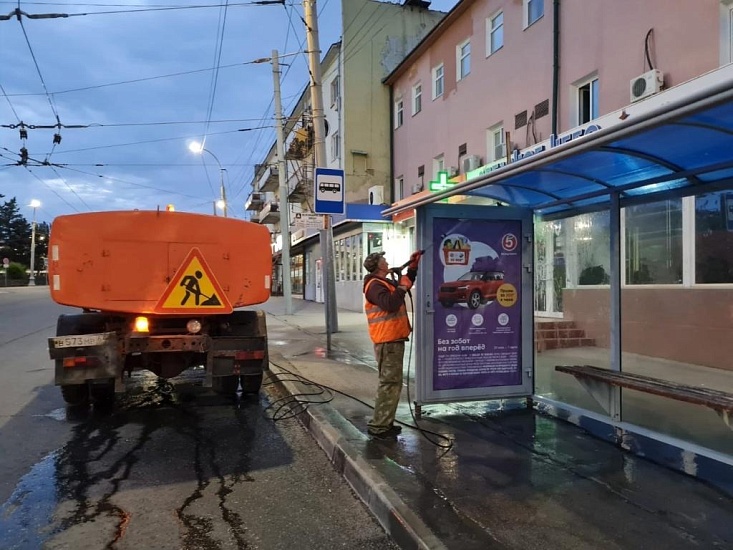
column 329, row 191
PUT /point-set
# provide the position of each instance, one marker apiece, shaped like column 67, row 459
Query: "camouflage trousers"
column 389, row 360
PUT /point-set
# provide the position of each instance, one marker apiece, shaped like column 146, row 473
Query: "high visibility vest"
column 385, row 326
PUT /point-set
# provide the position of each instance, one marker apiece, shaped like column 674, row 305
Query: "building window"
column 416, row 98
column 399, row 187
column 714, row 238
column 496, row 143
column 590, row 262
column 533, row 10
column 495, row 33
column 399, row 112
column 463, row 60
column 438, row 166
column 654, row 243
column 438, row 81
column 335, row 96
column 335, row 146
column 726, row 32
column 587, row 101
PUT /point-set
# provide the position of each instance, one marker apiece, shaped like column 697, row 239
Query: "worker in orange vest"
column 389, row 329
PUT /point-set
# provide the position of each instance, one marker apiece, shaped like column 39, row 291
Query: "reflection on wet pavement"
column 72, row 495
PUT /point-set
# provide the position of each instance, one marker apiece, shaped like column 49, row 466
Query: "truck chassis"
column 93, row 350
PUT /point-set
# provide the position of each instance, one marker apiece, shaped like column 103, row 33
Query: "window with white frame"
column 587, row 100
column 726, row 32
column 335, row 95
column 438, row 165
column 494, row 33
column 532, row 10
column 496, row 143
column 438, row 73
column 399, row 188
column 335, row 146
column 399, row 112
column 463, row 60
column 416, row 98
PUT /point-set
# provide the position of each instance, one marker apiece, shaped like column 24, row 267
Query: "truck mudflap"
column 84, row 357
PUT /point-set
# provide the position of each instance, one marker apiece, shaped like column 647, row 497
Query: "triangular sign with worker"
column 193, row 289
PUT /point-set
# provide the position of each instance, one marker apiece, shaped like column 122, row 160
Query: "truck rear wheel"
column 225, row 385
column 251, row 383
column 75, row 395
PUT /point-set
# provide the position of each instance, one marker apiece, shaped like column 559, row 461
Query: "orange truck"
column 157, row 290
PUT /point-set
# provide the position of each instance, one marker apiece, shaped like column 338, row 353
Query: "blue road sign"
column 329, row 191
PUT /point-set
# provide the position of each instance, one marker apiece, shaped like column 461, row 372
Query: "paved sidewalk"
column 512, row 479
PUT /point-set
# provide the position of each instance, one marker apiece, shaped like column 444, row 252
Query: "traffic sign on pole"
column 329, row 191
column 6, row 263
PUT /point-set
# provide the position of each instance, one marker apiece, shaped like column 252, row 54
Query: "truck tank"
column 125, row 261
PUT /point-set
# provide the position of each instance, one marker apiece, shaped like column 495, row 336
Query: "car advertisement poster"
column 477, row 266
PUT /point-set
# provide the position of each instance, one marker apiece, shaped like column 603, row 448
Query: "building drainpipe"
column 391, row 146
column 555, row 61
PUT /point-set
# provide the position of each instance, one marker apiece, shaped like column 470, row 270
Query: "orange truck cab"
column 157, row 290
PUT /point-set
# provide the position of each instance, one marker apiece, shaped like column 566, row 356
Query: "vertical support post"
column 32, row 279
column 615, row 299
column 319, row 130
column 283, row 188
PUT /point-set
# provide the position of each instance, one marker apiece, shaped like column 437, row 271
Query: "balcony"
column 300, row 192
column 255, row 201
column 270, row 213
column 269, row 180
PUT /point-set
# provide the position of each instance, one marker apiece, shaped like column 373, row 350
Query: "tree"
column 15, row 233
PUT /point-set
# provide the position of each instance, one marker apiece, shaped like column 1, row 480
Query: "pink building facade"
column 497, row 76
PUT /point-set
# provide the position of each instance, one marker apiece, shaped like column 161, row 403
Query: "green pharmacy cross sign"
column 442, row 184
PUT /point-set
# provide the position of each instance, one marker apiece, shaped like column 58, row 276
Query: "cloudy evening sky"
column 139, row 80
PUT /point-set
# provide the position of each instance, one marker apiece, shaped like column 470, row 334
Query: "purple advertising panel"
column 477, row 266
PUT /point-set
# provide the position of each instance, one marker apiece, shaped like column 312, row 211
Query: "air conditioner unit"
column 417, row 187
column 647, row 84
column 500, row 152
column 376, row 194
column 471, row 163
column 452, row 171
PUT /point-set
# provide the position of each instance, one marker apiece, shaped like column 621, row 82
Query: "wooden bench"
column 590, row 377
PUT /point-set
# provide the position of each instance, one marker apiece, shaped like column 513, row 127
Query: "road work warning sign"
column 193, row 289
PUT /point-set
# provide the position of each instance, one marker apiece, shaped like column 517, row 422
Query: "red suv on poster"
column 473, row 288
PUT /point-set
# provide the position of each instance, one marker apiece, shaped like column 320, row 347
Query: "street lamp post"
column 32, row 280
column 198, row 148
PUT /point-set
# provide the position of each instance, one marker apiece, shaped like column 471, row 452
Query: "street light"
column 198, row 148
column 32, row 281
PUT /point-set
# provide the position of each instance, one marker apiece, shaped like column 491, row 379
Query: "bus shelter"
column 654, row 375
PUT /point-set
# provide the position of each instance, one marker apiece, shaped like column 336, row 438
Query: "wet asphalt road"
column 184, row 470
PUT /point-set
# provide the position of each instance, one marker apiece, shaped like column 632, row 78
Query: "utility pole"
column 319, row 129
column 282, row 181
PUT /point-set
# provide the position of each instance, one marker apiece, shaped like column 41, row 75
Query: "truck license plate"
column 81, row 341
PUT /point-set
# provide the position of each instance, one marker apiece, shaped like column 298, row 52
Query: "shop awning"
column 677, row 143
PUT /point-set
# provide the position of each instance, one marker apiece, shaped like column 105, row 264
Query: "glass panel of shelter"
column 677, row 287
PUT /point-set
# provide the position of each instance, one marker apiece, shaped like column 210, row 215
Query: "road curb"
column 396, row 518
